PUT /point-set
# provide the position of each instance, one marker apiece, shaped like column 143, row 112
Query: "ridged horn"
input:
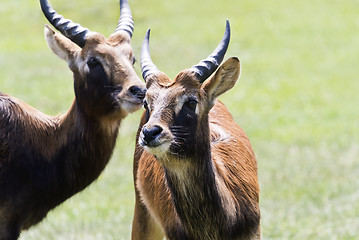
column 147, row 66
column 125, row 23
column 207, row 66
column 75, row 32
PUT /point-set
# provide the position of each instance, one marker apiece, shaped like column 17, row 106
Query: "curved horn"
column 207, row 66
column 147, row 66
column 125, row 23
column 75, row 32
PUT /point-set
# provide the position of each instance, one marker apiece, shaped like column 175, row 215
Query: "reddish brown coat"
column 210, row 192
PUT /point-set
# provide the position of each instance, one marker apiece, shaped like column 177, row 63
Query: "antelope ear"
column 119, row 37
column 223, row 80
column 60, row 45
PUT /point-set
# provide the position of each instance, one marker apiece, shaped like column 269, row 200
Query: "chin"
column 130, row 107
column 159, row 151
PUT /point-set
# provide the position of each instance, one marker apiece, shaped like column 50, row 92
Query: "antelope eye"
column 191, row 104
column 145, row 105
column 92, row 62
column 147, row 112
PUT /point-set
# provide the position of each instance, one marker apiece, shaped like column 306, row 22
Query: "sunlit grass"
column 296, row 99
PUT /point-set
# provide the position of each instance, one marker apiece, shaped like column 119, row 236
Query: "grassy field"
column 297, row 100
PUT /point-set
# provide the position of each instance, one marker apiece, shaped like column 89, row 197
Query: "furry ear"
column 60, row 45
column 119, row 37
column 223, row 80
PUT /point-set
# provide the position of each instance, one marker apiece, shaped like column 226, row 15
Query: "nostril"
column 155, row 131
column 134, row 90
column 137, row 91
column 150, row 134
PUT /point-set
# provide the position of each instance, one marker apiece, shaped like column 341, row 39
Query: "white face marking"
column 157, row 102
column 182, row 100
column 82, row 66
column 161, row 100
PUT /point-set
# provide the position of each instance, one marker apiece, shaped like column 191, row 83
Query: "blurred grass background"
column 297, row 100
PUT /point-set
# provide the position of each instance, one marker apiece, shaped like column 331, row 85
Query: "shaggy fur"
column 44, row 160
column 204, row 184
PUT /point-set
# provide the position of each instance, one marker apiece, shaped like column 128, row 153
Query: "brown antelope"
column 194, row 169
column 44, row 160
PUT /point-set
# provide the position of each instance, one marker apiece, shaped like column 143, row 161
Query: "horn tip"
column 147, row 36
column 228, row 27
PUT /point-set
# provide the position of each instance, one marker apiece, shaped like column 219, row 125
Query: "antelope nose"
column 150, row 134
column 138, row 92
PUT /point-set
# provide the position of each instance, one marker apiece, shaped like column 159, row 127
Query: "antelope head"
column 106, row 84
column 177, row 111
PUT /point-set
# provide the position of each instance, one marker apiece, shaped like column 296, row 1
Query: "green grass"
column 297, row 99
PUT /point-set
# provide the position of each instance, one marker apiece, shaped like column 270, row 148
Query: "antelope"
column 45, row 160
column 195, row 171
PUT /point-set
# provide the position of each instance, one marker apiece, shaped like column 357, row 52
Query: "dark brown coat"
column 45, row 160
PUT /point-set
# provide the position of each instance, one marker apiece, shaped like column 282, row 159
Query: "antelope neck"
column 192, row 182
column 85, row 150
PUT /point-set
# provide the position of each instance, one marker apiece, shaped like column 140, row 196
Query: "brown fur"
column 45, row 160
column 208, row 189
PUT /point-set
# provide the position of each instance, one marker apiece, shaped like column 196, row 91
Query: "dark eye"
column 147, row 112
column 92, row 62
column 145, row 105
column 133, row 61
column 192, row 103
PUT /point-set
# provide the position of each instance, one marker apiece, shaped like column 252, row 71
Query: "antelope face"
column 106, row 85
column 105, row 80
column 173, row 110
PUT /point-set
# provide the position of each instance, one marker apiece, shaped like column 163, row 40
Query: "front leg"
column 144, row 227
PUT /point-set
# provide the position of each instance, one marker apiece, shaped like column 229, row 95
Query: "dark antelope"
column 194, row 168
column 44, row 160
